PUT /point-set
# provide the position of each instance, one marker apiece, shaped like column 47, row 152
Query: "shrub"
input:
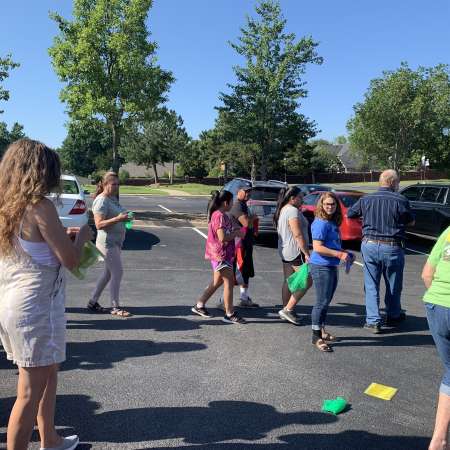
column 124, row 176
column 97, row 176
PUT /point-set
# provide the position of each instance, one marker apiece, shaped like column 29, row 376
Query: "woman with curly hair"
column 110, row 218
column 34, row 248
column 325, row 258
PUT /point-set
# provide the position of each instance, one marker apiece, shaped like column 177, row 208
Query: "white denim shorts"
column 32, row 313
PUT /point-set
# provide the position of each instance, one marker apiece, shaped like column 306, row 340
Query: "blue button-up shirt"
column 384, row 213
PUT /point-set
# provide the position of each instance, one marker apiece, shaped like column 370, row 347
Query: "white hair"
column 389, row 178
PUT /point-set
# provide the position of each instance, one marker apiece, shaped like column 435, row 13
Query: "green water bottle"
column 129, row 222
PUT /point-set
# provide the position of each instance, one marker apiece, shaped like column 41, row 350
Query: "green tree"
column 193, row 160
column 340, row 140
column 156, row 140
column 324, row 158
column 6, row 64
column 298, row 159
column 402, row 117
column 262, row 105
column 108, row 64
column 7, row 137
column 87, row 147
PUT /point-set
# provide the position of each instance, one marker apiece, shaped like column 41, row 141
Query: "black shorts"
column 298, row 261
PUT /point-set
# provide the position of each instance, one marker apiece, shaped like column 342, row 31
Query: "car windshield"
column 311, row 199
column 349, row 200
column 265, row 193
column 69, row 187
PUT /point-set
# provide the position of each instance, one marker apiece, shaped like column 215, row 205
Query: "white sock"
column 200, row 305
column 244, row 293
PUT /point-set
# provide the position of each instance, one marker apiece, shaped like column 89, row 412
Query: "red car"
column 351, row 229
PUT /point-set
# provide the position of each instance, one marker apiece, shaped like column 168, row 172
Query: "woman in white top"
column 293, row 246
column 33, row 248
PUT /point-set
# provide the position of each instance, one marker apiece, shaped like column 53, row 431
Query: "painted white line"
column 200, row 233
column 358, row 263
column 416, row 251
column 165, row 209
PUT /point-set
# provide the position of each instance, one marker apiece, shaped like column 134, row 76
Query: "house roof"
column 345, row 155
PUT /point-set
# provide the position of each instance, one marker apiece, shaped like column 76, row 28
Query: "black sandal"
column 320, row 344
column 96, row 308
column 329, row 337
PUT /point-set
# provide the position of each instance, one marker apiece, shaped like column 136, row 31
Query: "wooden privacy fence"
column 329, row 177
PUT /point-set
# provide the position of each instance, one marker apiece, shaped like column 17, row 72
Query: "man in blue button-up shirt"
column 385, row 214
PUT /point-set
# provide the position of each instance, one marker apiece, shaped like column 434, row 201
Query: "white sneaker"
column 68, row 443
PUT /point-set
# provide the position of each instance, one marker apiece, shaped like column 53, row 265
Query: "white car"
column 71, row 205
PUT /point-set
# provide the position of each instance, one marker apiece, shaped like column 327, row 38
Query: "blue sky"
column 358, row 40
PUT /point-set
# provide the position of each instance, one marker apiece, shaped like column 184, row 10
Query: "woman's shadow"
column 140, row 240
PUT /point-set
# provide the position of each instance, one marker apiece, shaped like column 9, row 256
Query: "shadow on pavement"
column 4, row 363
column 269, row 240
column 219, row 421
column 98, row 355
column 140, row 240
column 143, row 323
column 351, row 439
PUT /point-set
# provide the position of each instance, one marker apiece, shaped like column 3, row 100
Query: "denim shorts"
column 439, row 323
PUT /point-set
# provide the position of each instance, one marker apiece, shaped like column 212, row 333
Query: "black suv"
column 431, row 206
column 263, row 200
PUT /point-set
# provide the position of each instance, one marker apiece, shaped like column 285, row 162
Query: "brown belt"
column 379, row 241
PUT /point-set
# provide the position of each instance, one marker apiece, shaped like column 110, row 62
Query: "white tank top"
column 40, row 252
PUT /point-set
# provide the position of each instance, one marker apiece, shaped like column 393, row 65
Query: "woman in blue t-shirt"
column 325, row 258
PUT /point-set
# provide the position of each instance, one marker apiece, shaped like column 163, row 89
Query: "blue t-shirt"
column 327, row 232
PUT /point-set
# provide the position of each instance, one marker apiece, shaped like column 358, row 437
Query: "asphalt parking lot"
column 167, row 379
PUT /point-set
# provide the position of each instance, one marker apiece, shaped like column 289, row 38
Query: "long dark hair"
column 217, row 199
column 283, row 199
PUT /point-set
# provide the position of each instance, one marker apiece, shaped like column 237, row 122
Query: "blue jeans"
column 325, row 279
column 439, row 323
column 386, row 260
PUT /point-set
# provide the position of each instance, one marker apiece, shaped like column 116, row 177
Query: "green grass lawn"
column 139, row 190
column 193, row 188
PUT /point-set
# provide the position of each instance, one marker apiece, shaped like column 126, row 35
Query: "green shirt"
column 439, row 291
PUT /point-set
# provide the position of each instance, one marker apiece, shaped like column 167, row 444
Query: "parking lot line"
column 200, row 233
column 416, row 251
column 165, row 209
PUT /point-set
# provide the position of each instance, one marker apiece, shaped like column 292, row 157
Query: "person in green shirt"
column 436, row 276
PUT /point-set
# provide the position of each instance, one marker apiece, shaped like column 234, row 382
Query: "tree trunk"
column 225, row 172
column 253, row 171
column 155, row 172
column 173, row 171
column 265, row 149
column 263, row 165
column 115, row 144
